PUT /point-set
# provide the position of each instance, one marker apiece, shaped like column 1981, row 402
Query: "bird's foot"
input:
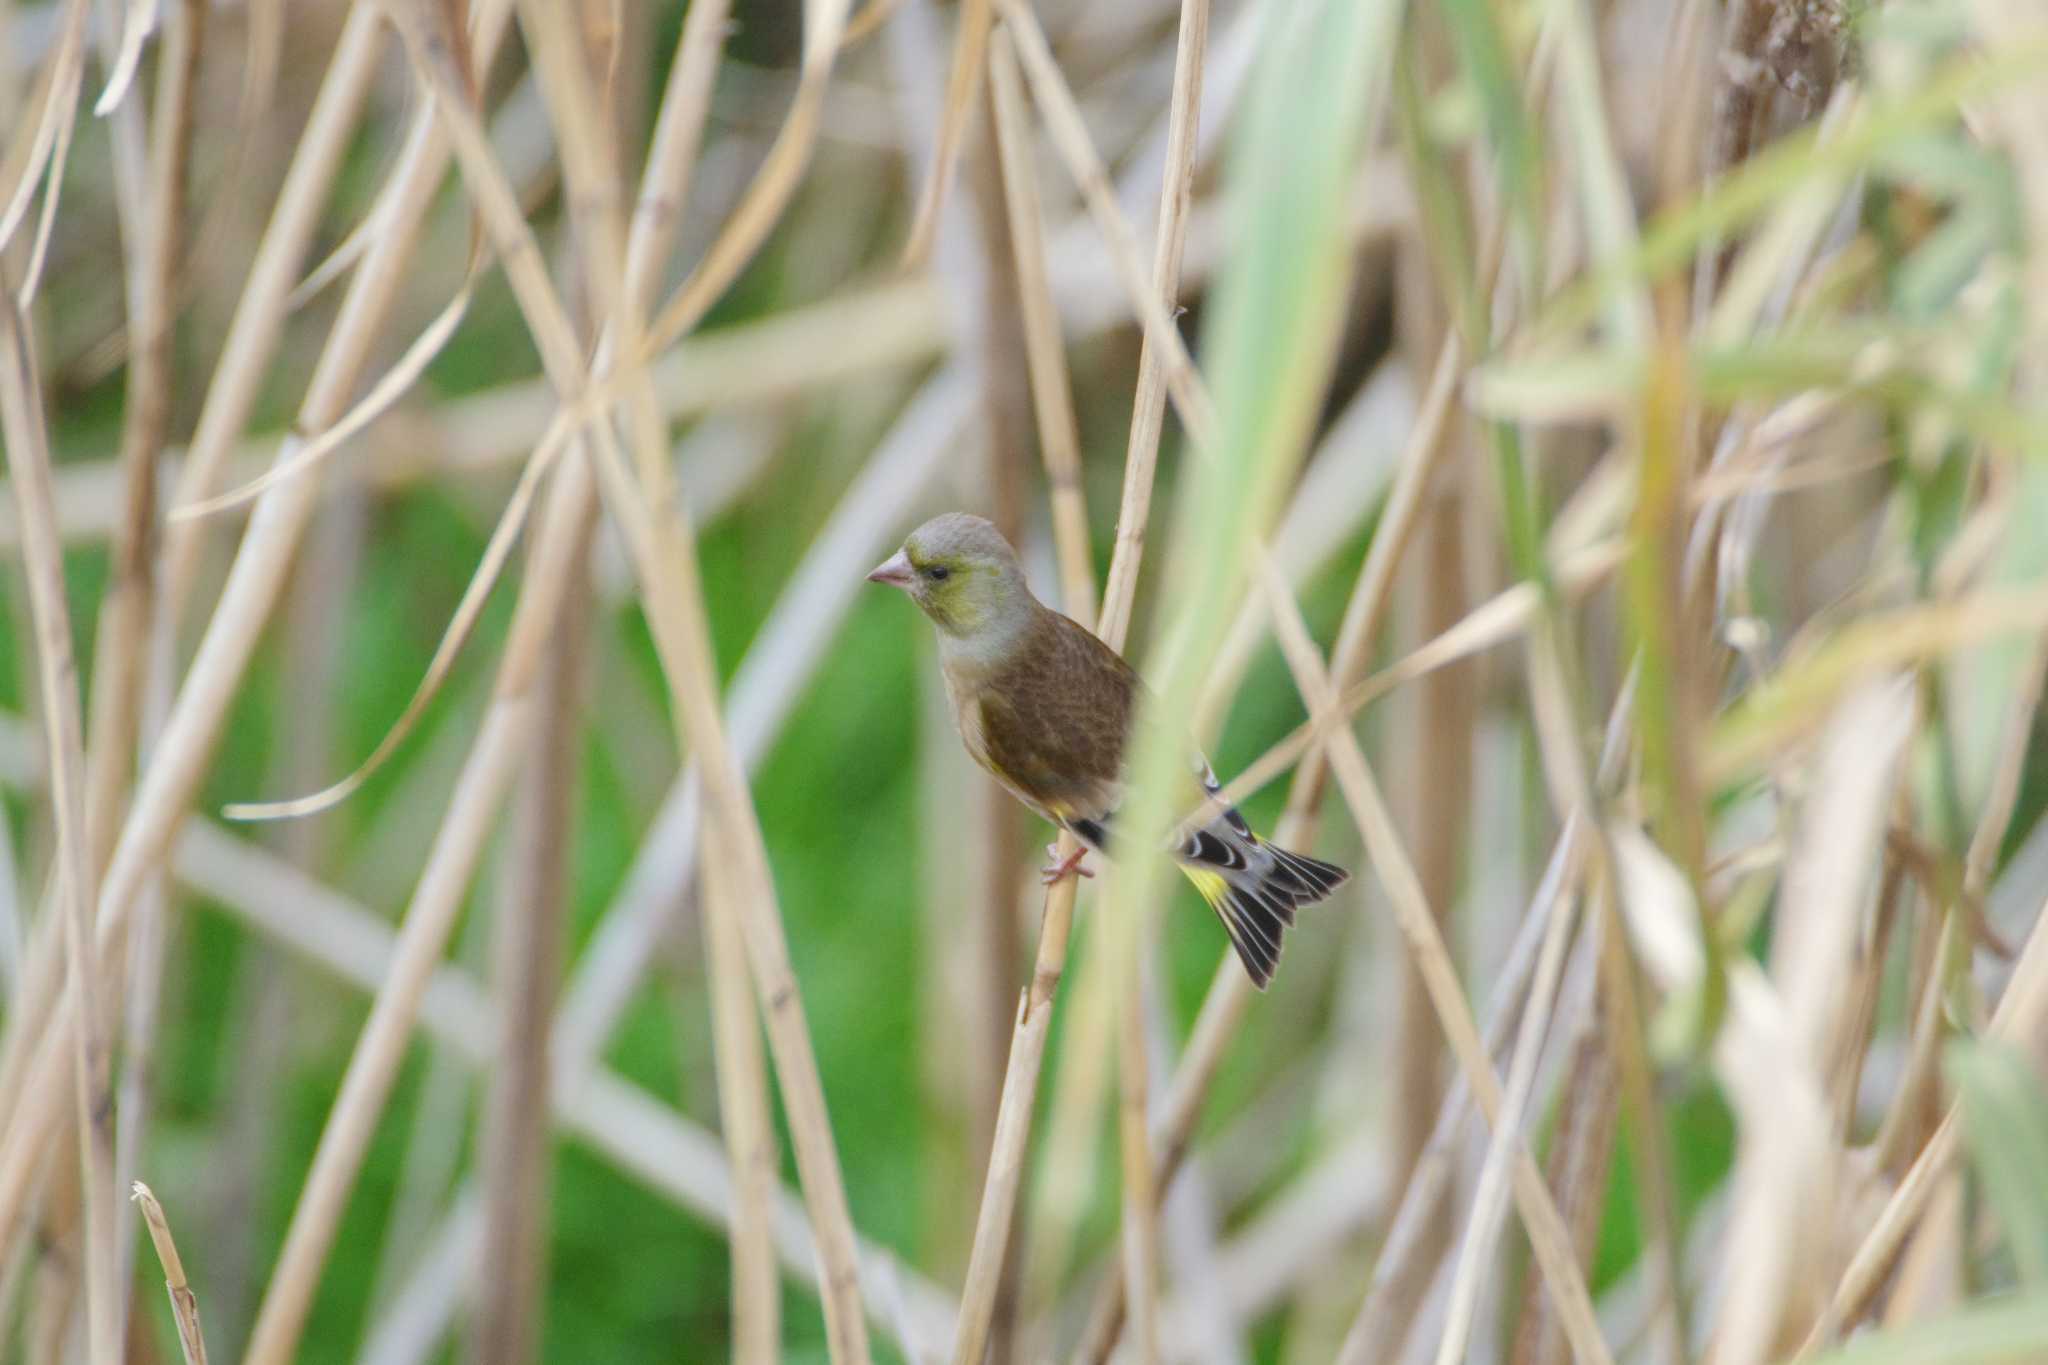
column 1069, row 866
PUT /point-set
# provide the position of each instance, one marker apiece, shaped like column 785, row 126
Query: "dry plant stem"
column 1009, row 381
column 1070, row 135
column 664, row 558
column 28, row 464
column 761, row 206
column 125, row 614
column 526, row 964
column 1059, row 437
column 1548, row 1236
column 1918, row 1092
column 56, row 98
column 745, row 1120
column 260, row 313
column 646, row 1140
column 963, row 92
column 184, row 1303
column 472, row 814
column 1482, row 1229
column 1572, row 787
column 133, row 647
column 254, row 581
column 1401, row 1272
column 1230, row 992
column 1140, row 1187
column 1436, row 753
column 1034, row 1011
column 1581, row 1151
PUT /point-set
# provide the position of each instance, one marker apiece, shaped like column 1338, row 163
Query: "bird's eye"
column 938, row 573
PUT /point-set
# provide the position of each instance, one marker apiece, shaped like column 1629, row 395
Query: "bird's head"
column 961, row 573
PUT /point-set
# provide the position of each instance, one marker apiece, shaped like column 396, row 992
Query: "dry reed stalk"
column 2017, row 1018
column 1128, row 952
column 1052, row 395
column 1008, row 1150
column 963, row 94
column 1437, row 755
column 156, row 245
column 742, row 1078
column 1489, row 1199
column 184, row 1303
column 1230, row 994
column 665, row 560
column 1009, row 385
column 1069, row 133
column 1582, row 1150
column 745, row 1121
column 260, row 312
column 28, row 462
column 254, row 581
column 1170, row 242
column 647, row 1140
column 1547, row 1234
column 766, row 686
column 30, row 150
column 843, row 337
column 132, row 655
column 526, row 964
column 373, row 1066
column 766, row 196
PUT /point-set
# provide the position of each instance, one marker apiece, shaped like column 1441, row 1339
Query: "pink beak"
column 895, row 571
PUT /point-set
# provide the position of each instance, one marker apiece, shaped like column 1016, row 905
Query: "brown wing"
column 1054, row 721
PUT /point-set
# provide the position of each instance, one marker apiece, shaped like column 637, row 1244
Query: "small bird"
column 1047, row 708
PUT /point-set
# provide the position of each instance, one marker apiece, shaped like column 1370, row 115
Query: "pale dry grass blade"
column 413, row 1325
column 664, row 557
column 1015, row 1112
column 963, row 95
column 28, row 462
column 766, row 686
column 132, row 671
column 184, row 1303
column 475, row 596
column 1548, row 1236
column 66, row 99
column 391, row 387
column 373, row 1066
column 1059, row 437
column 34, row 142
column 260, row 313
column 526, row 954
column 768, row 194
column 745, row 1121
column 1489, row 1199
column 253, row 584
column 135, row 31
column 1400, row 1273
column 1069, row 132
column 644, row 1138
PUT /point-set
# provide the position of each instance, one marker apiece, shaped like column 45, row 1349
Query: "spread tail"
column 1255, row 888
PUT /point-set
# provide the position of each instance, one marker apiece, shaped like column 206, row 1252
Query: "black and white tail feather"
column 1253, row 886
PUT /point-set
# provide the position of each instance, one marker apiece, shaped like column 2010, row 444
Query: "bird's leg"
column 1058, row 867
